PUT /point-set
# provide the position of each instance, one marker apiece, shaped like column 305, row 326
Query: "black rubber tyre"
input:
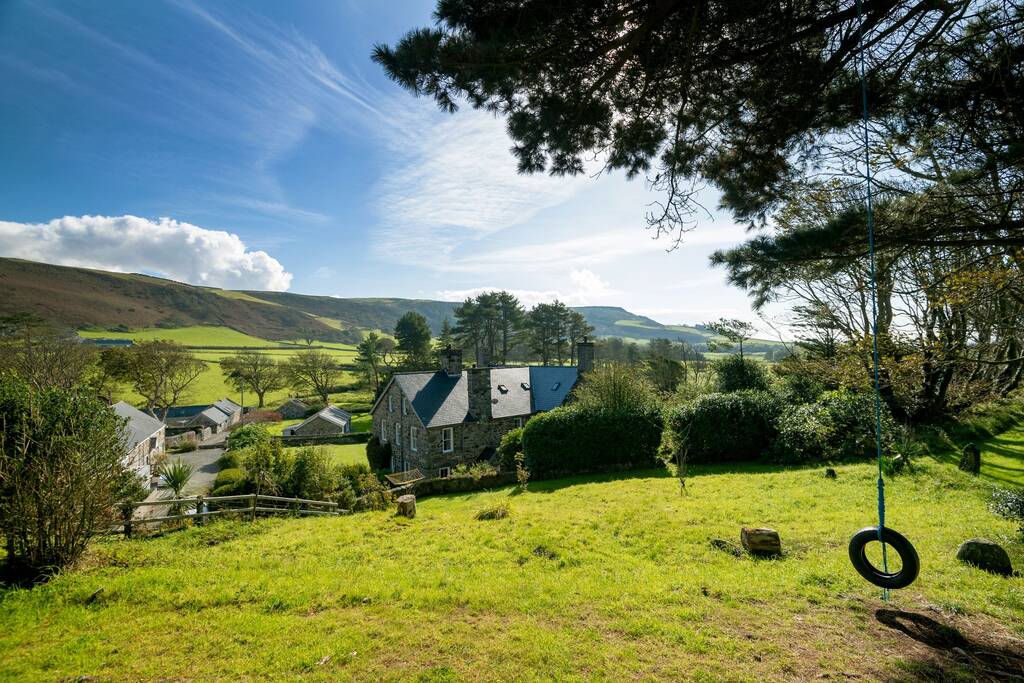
column 897, row 542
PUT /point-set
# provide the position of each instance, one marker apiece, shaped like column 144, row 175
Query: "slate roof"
column 440, row 400
column 140, row 425
column 212, row 415
column 550, row 385
column 297, row 402
column 332, row 414
column 227, row 406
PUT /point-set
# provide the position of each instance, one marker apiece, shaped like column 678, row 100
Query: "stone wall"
column 402, row 455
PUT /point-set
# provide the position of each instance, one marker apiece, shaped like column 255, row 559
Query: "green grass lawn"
column 1002, row 458
column 196, row 335
column 591, row 578
column 341, row 454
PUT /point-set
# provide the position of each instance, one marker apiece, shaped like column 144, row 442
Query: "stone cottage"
column 331, row 421
column 145, row 439
column 293, row 409
column 435, row 420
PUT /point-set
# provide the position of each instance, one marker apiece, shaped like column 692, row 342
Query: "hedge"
column 840, row 425
column 725, row 427
column 577, row 440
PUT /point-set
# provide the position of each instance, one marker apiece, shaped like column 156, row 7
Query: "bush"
column 344, row 495
column 371, row 493
column 267, row 466
column 797, row 388
column 615, row 386
column 61, row 474
column 734, row 373
column 311, row 475
column 840, row 425
column 230, row 482
column 229, row 460
column 511, row 445
column 378, row 454
column 1009, row 503
column 576, row 440
column 247, row 436
column 725, row 427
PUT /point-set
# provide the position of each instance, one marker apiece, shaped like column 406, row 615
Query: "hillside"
column 79, row 297
column 82, row 298
column 592, row 578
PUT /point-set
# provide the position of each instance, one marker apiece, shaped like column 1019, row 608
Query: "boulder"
column 407, row 505
column 970, row 459
column 761, row 541
column 985, row 554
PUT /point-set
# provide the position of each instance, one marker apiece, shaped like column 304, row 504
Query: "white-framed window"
column 412, row 437
column 391, row 403
column 447, row 440
column 383, row 432
column 519, row 422
column 398, row 434
column 405, row 406
column 444, row 473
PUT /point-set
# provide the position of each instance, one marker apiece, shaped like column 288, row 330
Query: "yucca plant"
column 176, row 475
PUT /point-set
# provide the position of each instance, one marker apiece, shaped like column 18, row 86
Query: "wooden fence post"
column 255, row 497
column 126, row 516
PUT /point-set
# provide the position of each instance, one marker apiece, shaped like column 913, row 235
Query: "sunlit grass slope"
column 608, row 578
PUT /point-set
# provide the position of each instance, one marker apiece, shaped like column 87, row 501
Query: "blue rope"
column 874, row 296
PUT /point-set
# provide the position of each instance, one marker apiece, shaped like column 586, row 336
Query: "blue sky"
column 255, row 145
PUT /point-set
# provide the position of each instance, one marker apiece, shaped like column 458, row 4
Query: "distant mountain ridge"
column 84, row 298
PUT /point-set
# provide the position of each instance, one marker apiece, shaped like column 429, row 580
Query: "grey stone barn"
column 293, row 409
column 331, row 421
column 435, row 420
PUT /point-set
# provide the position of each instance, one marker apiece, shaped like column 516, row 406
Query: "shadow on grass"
column 957, row 654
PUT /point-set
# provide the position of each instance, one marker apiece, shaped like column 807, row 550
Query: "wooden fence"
column 201, row 508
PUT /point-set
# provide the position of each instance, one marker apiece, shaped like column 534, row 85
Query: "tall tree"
column 255, row 371
column 372, row 360
column 412, row 334
column 733, row 331
column 510, row 323
column 447, row 336
column 731, row 92
column 577, row 328
column 313, row 371
column 43, row 355
column 548, row 331
column 160, row 371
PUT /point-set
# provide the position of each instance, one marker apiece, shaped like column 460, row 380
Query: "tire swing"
column 889, row 538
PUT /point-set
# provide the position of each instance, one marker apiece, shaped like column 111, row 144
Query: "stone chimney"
column 480, row 393
column 483, row 357
column 451, row 361
column 585, row 355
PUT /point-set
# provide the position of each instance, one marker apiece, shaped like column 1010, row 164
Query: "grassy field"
column 591, row 578
column 342, row 454
column 1002, row 458
column 211, row 386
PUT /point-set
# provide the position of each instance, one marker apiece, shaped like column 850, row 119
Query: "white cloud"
column 584, row 288
column 457, row 183
column 179, row 251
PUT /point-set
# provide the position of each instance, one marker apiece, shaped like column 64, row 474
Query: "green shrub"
column 1010, row 504
column 371, row 493
column 229, row 460
column 840, row 425
column 230, row 482
column 725, row 427
column 577, row 440
column 616, row 387
column 510, row 446
column 378, row 454
column 267, row 466
column 247, row 436
column 733, row 373
column 311, row 475
column 344, row 495
column 798, row 387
